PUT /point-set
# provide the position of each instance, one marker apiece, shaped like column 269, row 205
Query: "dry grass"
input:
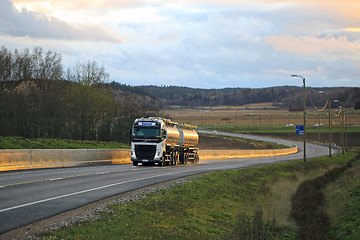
column 279, row 205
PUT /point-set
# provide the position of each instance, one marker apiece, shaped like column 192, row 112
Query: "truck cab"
column 147, row 141
column 162, row 141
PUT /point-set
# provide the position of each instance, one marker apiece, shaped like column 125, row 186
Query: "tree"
column 5, row 64
column 91, row 106
column 88, row 73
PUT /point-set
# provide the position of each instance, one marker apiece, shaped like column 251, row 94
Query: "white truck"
column 162, row 141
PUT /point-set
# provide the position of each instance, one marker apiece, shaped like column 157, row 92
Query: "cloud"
column 198, row 43
column 326, row 49
column 37, row 25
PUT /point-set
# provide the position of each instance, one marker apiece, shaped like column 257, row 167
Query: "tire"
column 172, row 159
column 181, row 158
column 186, row 158
column 176, row 158
column 135, row 163
column 162, row 163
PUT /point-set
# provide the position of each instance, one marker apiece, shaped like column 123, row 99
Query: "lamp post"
column 342, row 125
column 304, row 137
column 330, row 128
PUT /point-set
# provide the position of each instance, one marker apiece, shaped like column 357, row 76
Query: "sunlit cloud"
column 352, row 29
column 37, row 25
column 325, row 49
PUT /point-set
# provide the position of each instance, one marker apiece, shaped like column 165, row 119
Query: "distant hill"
column 285, row 96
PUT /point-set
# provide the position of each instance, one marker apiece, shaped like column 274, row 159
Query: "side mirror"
column 164, row 134
column 130, row 133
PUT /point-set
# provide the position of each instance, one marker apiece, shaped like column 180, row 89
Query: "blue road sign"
column 300, row 129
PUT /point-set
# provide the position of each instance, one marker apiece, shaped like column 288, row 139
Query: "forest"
column 39, row 99
column 282, row 96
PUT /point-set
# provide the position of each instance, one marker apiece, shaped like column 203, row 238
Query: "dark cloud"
column 36, row 25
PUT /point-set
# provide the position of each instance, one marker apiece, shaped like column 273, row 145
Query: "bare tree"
column 5, row 64
column 88, row 73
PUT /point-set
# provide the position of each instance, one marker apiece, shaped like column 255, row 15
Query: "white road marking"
column 89, row 190
column 54, row 179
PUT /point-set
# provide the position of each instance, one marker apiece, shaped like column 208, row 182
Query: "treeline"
column 40, row 100
column 285, row 96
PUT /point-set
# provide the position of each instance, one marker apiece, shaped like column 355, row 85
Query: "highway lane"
column 29, row 196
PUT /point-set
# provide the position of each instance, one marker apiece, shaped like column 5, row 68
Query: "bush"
column 357, row 105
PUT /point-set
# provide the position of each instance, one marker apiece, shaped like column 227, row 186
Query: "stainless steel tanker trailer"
column 162, row 141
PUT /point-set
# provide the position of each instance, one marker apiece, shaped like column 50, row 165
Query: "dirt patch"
column 217, row 142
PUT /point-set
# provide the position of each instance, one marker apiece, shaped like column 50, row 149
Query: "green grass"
column 252, row 202
column 24, row 143
column 343, row 205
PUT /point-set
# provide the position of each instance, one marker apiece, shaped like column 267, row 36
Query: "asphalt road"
column 29, row 196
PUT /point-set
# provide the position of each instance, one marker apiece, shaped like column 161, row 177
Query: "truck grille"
column 145, row 151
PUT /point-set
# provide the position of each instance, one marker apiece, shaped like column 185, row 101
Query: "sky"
column 196, row 43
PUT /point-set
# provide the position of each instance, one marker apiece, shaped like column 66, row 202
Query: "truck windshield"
column 146, row 132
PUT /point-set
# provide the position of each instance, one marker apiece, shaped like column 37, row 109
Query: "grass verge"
column 235, row 204
column 42, row 143
column 343, row 205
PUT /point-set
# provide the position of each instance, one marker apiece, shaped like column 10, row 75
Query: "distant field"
column 260, row 116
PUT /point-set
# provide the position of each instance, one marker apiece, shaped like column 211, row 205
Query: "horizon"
column 206, row 44
column 310, row 87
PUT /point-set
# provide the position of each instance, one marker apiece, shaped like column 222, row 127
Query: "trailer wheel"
column 176, row 158
column 196, row 160
column 186, row 158
column 172, row 159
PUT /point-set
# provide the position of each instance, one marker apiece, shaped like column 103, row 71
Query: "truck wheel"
column 135, row 163
column 162, row 163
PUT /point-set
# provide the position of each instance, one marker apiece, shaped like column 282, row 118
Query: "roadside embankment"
column 17, row 159
column 223, row 154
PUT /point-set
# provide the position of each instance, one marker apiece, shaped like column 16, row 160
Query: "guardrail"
column 17, row 159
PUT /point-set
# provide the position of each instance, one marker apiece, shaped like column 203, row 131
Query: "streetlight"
column 330, row 135
column 342, row 125
column 294, row 75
